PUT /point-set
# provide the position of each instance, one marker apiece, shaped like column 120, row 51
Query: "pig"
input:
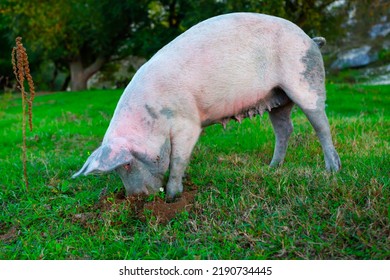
column 227, row 67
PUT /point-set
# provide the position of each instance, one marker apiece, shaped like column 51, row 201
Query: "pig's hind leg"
column 183, row 139
column 320, row 123
column 281, row 122
column 307, row 90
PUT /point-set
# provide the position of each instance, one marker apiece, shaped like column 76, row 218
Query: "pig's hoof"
column 172, row 199
column 333, row 164
column 335, row 167
column 173, row 191
column 275, row 164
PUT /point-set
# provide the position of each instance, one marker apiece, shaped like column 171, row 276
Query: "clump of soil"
column 141, row 206
column 164, row 211
column 8, row 235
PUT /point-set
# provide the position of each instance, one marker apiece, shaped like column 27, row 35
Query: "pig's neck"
column 127, row 125
column 139, row 125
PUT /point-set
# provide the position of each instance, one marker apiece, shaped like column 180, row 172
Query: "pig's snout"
column 139, row 180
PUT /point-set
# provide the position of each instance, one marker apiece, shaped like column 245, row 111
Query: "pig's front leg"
column 281, row 122
column 183, row 140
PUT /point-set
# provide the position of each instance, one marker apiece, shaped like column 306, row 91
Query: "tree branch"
column 94, row 67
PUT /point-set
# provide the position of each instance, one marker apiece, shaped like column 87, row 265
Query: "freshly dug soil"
column 164, row 212
column 142, row 206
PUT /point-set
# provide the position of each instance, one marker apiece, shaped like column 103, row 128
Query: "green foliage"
column 154, row 196
column 63, row 31
column 5, row 55
column 243, row 208
column 4, row 103
column 64, row 28
column 384, row 55
column 66, row 31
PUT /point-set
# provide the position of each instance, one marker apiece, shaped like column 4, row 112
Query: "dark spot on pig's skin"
column 167, row 112
column 165, row 152
column 156, row 167
column 146, row 160
column 208, row 122
column 151, row 112
column 104, row 156
column 314, row 72
column 146, row 121
column 107, row 161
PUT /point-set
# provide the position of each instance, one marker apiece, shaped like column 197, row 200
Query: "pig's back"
column 225, row 63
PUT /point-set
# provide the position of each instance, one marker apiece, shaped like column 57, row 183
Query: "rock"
column 355, row 58
column 378, row 75
column 380, row 30
column 117, row 73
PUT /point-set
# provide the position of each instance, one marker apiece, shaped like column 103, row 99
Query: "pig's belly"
column 228, row 103
column 240, row 105
column 233, row 88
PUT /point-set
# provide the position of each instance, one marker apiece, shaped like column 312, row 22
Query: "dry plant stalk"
column 22, row 72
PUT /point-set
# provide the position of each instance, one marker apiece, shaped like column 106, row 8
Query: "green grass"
column 243, row 208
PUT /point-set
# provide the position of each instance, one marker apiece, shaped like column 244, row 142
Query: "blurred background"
column 96, row 44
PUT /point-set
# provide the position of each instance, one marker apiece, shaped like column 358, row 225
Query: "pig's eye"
column 127, row 166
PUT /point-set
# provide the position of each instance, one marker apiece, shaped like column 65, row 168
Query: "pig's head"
column 138, row 173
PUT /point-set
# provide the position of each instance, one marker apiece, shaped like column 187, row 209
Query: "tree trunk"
column 79, row 75
column 77, row 79
column 65, row 83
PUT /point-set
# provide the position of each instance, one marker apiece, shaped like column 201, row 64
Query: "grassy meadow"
column 242, row 208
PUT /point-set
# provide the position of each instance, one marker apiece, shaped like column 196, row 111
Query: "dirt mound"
column 164, row 211
column 143, row 206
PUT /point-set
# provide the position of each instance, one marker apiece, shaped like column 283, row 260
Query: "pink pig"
column 230, row 66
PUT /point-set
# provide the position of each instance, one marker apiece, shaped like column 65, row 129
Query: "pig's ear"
column 106, row 158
